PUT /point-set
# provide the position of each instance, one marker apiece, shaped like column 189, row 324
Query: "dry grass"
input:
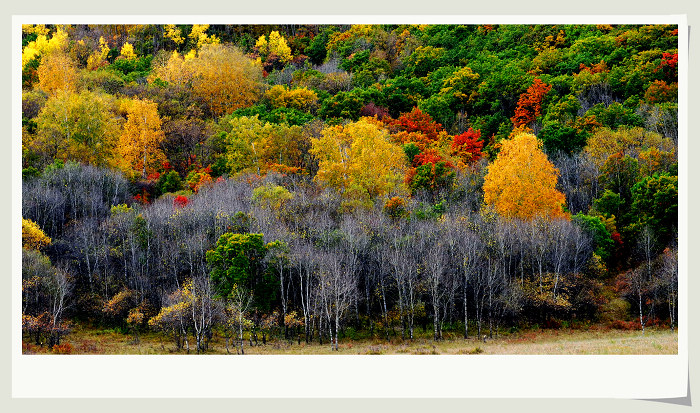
column 564, row 341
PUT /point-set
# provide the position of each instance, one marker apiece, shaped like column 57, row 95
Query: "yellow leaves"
column 139, row 143
column 174, row 71
column 200, row 37
column 261, row 44
column 256, row 146
column 224, row 79
column 220, row 76
column 79, row 126
column 58, row 43
column 358, row 160
column 274, row 45
column 135, row 317
column 606, row 142
column 127, row 51
column 33, row 237
column 119, row 303
column 521, row 181
column 174, row 33
column 57, row 72
column 299, row 98
column 98, row 58
column 271, row 196
column 38, row 29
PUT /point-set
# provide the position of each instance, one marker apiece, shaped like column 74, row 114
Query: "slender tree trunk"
column 466, row 314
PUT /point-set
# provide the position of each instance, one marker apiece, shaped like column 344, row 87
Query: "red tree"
column 530, row 103
column 417, row 121
column 180, row 201
column 468, row 145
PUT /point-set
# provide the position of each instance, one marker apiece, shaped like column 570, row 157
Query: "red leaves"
column 530, row 103
column 468, row 145
column 670, row 59
column 617, row 238
column 430, row 156
column 417, row 121
column 180, row 201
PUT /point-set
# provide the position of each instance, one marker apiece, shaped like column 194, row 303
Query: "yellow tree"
column 33, row 237
column 256, row 146
column 274, row 45
column 174, row 71
column 43, row 45
column 98, row 58
column 244, row 143
column 174, row 33
column 79, row 126
column 57, row 72
column 140, row 141
column 198, row 35
column 299, row 98
column 359, row 160
column 127, row 51
column 224, row 78
column 521, row 181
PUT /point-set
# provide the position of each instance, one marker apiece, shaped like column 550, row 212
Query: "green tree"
column 238, row 259
column 595, row 226
column 655, row 204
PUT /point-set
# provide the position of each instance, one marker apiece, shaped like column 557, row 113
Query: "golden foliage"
column 358, row 160
column 225, row 79
column 174, row 33
column 140, row 141
column 274, row 45
column 58, row 43
column 57, row 72
column 521, row 181
column 79, row 126
column 127, row 51
column 200, row 37
column 98, row 58
column 299, row 98
column 256, row 146
column 173, row 71
column 33, row 237
column 632, row 142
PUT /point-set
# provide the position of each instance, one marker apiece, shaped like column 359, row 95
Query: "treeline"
column 313, row 269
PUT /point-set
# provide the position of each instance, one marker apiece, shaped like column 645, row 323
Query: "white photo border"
column 499, row 376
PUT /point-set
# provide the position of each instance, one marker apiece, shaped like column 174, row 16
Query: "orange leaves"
column 660, row 91
column 530, row 103
column 521, row 181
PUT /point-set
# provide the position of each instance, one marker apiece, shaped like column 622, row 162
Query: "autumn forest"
column 233, row 186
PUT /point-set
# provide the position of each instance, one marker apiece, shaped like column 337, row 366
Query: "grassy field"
column 596, row 340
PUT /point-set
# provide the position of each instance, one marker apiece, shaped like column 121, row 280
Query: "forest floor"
column 594, row 340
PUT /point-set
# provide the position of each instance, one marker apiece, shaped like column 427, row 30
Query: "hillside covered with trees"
column 321, row 182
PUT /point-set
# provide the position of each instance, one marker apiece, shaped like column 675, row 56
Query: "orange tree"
column 521, row 181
